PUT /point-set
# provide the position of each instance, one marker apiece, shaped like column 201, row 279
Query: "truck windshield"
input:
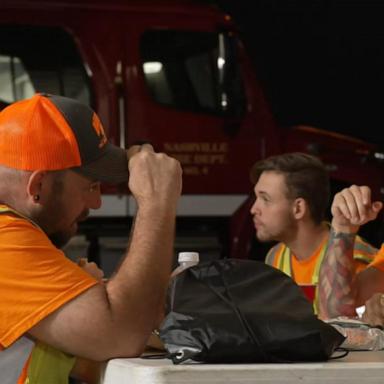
column 194, row 71
column 39, row 59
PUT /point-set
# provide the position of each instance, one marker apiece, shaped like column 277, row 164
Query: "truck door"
column 190, row 98
column 30, row 62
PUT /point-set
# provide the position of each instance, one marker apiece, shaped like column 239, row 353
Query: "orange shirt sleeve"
column 35, row 278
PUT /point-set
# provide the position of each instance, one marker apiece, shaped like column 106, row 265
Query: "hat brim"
column 111, row 167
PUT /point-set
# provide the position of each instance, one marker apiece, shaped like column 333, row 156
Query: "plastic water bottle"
column 186, row 260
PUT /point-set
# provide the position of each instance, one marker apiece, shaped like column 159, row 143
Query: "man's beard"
column 265, row 237
column 265, row 234
column 59, row 239
column 48, row 223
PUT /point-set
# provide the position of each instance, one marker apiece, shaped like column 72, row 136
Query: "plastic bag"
column 359, row 335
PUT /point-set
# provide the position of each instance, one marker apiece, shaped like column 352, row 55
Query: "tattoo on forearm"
column 337, row 275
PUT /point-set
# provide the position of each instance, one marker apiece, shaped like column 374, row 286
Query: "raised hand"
column 353, row 207
column 155, row 178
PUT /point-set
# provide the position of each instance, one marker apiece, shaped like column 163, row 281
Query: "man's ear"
column 299, row 208
column 35, row 185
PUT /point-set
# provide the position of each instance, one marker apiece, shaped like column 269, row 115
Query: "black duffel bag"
column 242, row 311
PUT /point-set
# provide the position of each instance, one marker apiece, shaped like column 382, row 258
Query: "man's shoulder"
column 17, row 229
column 12, row 219
column 272, row 253
column 277, row 246
column 364, row 251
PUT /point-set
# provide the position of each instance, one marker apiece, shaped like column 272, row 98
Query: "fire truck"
column 175, row 74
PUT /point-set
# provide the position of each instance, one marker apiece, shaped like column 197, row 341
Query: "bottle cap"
column 188, row 256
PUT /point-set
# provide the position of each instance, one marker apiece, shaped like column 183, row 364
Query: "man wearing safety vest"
column 292, row 195
column 340, row 290
column 53, row 157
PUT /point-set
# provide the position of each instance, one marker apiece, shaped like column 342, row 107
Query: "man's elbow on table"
column 90, row 327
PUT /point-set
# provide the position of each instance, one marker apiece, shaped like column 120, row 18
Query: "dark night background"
column 320, row 63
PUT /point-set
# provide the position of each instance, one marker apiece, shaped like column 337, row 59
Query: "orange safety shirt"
column 306, row 272
column 378, row 261
column 36, row 279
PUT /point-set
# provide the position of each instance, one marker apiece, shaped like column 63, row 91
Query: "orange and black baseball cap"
column 49, row 132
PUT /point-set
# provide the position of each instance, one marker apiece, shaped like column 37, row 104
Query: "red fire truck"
column 173, row 73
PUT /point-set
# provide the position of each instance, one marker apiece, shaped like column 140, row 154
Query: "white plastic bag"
column 359, row 335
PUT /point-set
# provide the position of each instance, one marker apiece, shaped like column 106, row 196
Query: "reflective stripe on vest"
column 13, row 360
column 6, row 209
column 280, row 257
column 24, row 362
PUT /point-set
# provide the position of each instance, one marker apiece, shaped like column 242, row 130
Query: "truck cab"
column 175, row 74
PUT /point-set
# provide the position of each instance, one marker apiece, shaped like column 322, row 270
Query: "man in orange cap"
column 53, row 155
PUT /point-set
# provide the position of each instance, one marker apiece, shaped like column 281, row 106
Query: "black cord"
column 157, row 356
column 344, row 352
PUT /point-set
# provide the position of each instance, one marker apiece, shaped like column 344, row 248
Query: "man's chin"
column 263, row 238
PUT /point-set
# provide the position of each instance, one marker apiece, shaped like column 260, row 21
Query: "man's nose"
column 254, row 208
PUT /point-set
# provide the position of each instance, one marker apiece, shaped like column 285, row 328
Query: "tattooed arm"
column 337, row 290
column 338, row 286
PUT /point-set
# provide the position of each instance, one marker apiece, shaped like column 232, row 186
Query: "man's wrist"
column 344, row 231
column 159, row 209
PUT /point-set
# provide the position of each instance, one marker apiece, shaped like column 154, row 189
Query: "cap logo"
column 97, row 126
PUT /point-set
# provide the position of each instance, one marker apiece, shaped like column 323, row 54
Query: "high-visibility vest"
column 280, row 257
column 6, row 209
column 29, row 362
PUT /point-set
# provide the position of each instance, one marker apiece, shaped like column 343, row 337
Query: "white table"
column 356, row 368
